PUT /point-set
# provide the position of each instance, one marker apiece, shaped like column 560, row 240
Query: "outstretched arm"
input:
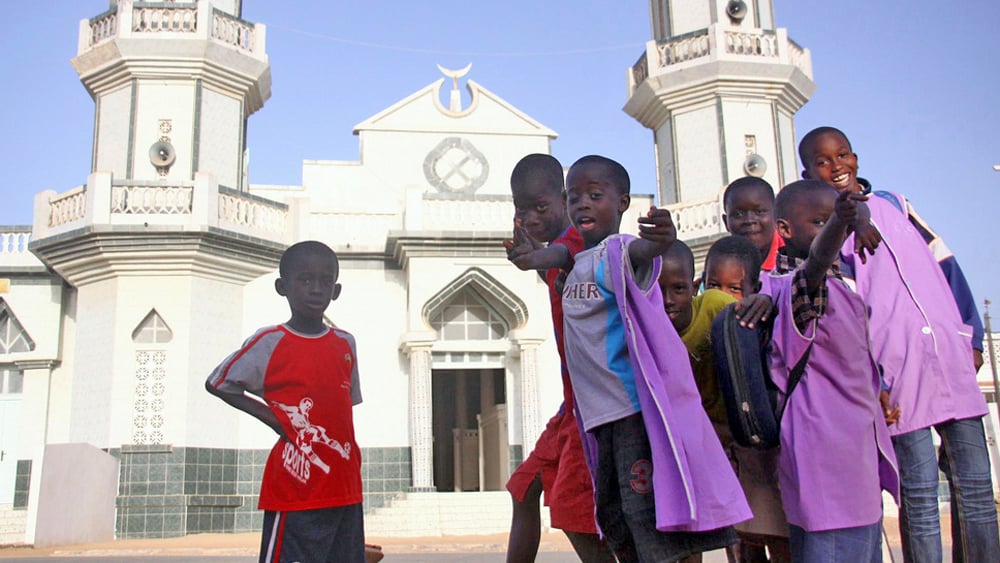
column 528, row 254
column 251, row 405
column 656, row 234
column 826, row 246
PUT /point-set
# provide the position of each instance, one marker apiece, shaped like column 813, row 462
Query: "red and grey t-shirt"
column 310, row 382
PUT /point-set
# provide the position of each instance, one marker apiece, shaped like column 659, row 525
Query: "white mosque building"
column 125, row 291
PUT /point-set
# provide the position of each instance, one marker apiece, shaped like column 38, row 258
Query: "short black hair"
column 740, row 248
column 680, row 253
column 617, row 173
column 793, row 193
column 746, row 182
column 805, row 145
column 298, row 250
column 544, row 169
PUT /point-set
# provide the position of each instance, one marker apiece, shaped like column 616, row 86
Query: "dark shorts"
column 626, row 510
column 325, row 534
column 558, row 459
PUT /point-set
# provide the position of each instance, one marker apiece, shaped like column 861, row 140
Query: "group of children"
column 855, row 279
column 638, row 464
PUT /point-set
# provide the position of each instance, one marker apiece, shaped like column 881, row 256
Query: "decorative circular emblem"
column 455, row 166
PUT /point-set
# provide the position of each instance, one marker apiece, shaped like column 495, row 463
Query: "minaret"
column 719, row 86
column 160, row 241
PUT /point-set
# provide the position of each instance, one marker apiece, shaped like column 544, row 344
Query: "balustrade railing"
column 232, row 30
column 640, row 70
column 684, row 47
column 158, row 17
column 249, row 211
column 697, row 218
column 104, row 26
column 763, row 44
column 720, row 42
column 68, row 207
column 15, row 240
column 797, row 56
column 155, row 200
column 474, row 214
column 150, row 17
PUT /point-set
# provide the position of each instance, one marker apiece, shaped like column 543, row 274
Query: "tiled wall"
column 22, row 483
column 167, row 491
column 385, row 472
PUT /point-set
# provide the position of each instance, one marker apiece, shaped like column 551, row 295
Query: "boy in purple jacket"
column 835, row 456
column 664, row 488
column 927, row 340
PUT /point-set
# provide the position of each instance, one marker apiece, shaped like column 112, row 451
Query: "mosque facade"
column 124, row 292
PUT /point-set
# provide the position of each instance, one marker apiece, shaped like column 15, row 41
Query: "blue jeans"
column 855, row 545
column 966, row 463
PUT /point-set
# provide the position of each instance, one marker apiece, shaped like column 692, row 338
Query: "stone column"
column 531, row 425
column 418, row 348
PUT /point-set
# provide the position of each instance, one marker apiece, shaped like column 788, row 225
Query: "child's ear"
column 756, row 286
column 624, row 200
column 725, row 221
column 336, row 292
column 805, row 174
column 279, row 286
column 784, row 228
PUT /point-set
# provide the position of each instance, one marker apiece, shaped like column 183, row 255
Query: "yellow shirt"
column 697, row 338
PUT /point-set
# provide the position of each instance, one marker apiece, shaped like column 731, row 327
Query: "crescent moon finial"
column 455, row 74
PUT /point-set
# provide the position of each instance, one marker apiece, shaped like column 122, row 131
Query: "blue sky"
column 914, row 85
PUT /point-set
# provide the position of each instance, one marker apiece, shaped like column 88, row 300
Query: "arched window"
column 13, row 337
column 467, row 316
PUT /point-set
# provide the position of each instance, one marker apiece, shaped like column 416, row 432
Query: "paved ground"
column 242, row 548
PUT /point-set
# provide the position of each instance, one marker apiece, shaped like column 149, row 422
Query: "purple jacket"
column 918, row 337
column 694, row 483
column 836, row 455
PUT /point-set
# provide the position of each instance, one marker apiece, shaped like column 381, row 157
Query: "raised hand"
column 846, row 206
column 657, row 226
column 521, row 246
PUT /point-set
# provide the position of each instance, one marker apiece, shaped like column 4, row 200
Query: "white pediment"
column 423, row 111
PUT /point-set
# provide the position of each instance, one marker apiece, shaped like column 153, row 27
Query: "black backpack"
column 752, row 400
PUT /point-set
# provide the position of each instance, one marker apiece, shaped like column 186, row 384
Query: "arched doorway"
column 471, row 318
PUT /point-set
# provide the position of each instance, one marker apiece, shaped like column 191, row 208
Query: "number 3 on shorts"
column 643, row 471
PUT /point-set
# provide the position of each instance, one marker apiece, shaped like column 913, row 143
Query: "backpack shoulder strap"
column 794, row 377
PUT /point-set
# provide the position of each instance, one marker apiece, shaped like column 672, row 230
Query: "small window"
column 152, row 330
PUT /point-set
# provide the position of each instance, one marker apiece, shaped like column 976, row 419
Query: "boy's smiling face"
column 750, row 214
column 831, row 160
column 595, row 204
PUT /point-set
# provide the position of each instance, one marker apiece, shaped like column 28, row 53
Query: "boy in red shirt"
column 301, row 379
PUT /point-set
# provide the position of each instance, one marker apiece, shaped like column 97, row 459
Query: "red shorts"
column 558, row 458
